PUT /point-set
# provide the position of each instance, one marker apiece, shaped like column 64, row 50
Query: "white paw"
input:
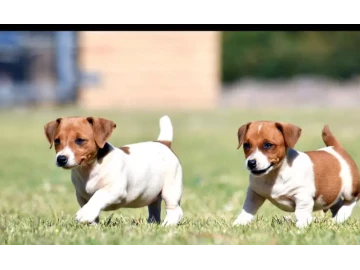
column 303, row 223
column 344, row 213
column 340, row 218
column 87, row 215
column 173, row 216
column 243, row 219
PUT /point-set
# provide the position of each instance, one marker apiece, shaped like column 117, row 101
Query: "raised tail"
column 328, row 138
column 166, row 129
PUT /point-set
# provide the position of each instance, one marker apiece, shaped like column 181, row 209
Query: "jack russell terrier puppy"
column 108, row 178
column 294, row 181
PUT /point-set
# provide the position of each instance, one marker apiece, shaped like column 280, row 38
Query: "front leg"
column 252, row 204
column 101, row 199
column 303, row 211
column 82, row 201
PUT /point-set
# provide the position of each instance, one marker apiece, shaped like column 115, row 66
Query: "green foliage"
column 279, row 54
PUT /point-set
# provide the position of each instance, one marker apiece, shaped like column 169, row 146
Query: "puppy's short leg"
column 253, row 202
column 345, row 211
column 82, row 202
column 335, row 208
column 155, row 211
column 171, row 193
column 101, row 199
column 303, row 211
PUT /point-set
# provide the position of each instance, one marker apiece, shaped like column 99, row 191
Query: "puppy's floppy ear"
column 290, row 132
column 241, row 133
column 50, row 128
column 102, row 129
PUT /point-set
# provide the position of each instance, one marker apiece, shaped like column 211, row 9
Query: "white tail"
column 166, row 129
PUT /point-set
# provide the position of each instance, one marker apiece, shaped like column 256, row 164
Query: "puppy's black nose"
column 251, row 164
column 61, row 160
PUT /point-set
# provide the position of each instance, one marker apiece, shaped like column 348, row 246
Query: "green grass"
column 38, row 204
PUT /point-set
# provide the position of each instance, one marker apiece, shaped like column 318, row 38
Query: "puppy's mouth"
column 260, row 172
column 67, row 167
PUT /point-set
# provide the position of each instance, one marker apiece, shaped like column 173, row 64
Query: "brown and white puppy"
column 108, row 178
column 294, row 181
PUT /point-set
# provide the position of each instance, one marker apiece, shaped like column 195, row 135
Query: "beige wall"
column 151, row 69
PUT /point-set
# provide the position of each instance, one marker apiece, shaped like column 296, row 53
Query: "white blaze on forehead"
column 69, row 154
column 262, row 161
column 259, row 128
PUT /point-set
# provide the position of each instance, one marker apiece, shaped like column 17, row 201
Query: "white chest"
column 87, row 182
column 292, row 181
column 281, row 193
column 86, row 187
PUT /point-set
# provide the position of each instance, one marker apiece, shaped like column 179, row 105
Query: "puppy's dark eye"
column 79, row 141
column 56, row 141
column 247, row 146
column 268, row 145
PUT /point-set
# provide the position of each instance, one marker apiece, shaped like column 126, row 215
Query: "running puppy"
column 108, row 178
column 294, row 181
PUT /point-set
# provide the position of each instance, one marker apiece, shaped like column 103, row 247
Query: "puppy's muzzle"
column 61, row 160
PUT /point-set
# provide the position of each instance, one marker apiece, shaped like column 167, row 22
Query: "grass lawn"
column 38, row 204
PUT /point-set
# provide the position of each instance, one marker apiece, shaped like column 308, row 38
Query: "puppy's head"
column 77, row 139
column 265, row 144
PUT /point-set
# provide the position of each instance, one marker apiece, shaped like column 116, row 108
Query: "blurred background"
column 179, row 69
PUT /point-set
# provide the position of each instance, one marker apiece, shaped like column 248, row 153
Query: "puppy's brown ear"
column 241, row 133
column 102, row 129
column 290, row 132
column 50, row 128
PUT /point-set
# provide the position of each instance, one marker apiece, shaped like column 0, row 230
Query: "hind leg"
column 155, row 211
column 344, row 212
column 334, row 209
column 171, row 193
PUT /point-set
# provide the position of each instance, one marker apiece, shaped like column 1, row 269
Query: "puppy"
column 108, row 178
column 294, row 181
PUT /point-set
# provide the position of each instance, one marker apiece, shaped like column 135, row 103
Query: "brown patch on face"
column 125, row 149
column 49, row 130
column 327, row 176
column 290, row 132
column 102, row 129
column 264, row 136
column 241, row 134
column 84, row 136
